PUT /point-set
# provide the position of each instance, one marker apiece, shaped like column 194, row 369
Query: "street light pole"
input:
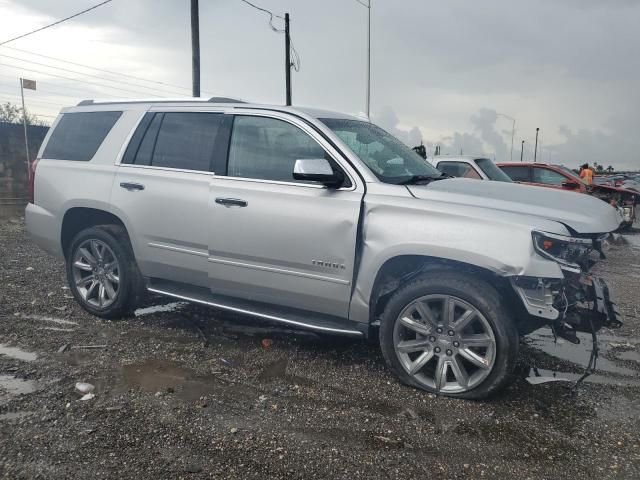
column 535, row 152
column 513, row 131
column 369, row 60
column 195, row 48
column 368, row 95
column 521, row 150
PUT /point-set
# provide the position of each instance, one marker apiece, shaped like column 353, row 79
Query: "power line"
column 111, row 72
column 83, row 92
column 75, row 79
column 153, row 89
column 56, row 23
column 268, row 12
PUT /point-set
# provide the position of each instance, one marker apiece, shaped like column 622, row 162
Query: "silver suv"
column 318, row 220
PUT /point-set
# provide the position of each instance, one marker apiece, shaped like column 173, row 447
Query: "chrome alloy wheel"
column 444, row 343
column 96, row 273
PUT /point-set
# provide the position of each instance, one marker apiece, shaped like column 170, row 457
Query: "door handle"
column 231, row 202
column 132, row 186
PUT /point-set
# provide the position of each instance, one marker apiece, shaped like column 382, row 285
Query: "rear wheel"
column 449, row 333
column 102, row 272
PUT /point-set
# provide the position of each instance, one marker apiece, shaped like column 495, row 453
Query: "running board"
column 291, row 317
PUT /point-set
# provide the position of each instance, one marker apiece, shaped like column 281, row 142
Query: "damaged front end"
column 579, row 302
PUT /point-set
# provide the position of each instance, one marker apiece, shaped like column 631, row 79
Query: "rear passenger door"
column 274, row 239
column 518, row 173
column 162, row 189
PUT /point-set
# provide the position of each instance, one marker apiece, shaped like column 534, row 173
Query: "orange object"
column 587, row 175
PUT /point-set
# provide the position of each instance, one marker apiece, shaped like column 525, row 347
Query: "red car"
column 558, row 176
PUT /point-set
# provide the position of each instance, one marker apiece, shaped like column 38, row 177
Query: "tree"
column 599, row 168
column 11, row 113
column 610, row 169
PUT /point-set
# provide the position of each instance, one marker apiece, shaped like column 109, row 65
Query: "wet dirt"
column 182, row 391
column 17, row 353
column 17, row 386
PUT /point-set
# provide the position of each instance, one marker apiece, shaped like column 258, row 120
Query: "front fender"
column 407, row 228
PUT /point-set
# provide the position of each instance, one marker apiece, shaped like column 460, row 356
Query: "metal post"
column 24, row 123
column 369, row 61
column 535, row 151
column 513, row 132
column 195, row 48
column 287, row 58
column 521, row 150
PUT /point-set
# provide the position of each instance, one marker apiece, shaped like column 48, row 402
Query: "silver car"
column 318, row 220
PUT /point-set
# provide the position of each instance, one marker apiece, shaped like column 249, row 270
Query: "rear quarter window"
column 77, row 136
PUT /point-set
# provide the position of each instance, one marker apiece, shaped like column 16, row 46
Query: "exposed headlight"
column 569, row 252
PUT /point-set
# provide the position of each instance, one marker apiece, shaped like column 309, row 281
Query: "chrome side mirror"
column 317, row 170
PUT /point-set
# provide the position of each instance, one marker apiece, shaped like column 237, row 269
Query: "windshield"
column 386, row 156
column 573, row 174
column 492, row 171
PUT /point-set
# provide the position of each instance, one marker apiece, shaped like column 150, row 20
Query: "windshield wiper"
column 423, row 179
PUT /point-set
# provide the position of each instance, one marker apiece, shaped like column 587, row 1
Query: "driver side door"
column 274, row 239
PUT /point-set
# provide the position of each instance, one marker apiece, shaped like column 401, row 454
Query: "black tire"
column 476, row 292
column 131, row 287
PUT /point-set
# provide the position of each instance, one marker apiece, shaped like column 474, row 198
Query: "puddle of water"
column 629, row 355
column 17, row 353
column 634, row 240
column 163, row 376
column 578, row 354
column 167, row 307
column 14, row 415
column 541, row 375
column 17, row 386
column 43, row 318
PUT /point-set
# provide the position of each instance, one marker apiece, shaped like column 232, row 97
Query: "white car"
column 469, row 166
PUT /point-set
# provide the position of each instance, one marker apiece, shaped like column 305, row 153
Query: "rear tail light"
column 32, row 180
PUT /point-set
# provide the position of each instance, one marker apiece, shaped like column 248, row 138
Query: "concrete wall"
column 13, row 169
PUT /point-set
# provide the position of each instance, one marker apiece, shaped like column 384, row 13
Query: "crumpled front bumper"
column 609, row 315
column 579, row 302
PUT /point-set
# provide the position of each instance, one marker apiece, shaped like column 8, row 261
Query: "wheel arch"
column 400, row 269
column 77, row 219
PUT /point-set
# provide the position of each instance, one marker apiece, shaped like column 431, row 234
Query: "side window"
column 548, row 177
column 185, row 140
column 78, row 136
column 459, row 169
column 517, row 174
column 267, row 148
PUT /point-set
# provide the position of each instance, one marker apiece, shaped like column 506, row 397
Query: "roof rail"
column 161, row 100
column 224, row 100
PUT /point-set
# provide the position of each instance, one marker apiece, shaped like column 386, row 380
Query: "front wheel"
column 449, row 333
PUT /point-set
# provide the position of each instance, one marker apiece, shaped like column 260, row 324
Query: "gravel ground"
column 187, row 392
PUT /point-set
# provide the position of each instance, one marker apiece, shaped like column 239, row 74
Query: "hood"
column 582, row 213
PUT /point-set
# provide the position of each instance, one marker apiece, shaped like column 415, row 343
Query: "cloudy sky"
column 447, row 73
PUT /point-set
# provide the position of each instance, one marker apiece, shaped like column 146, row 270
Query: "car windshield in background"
column 492, row 171
column 386, row 156
column 573, row 174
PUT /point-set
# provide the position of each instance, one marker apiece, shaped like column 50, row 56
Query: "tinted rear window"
column 517, row 174
column 186, row 140
column 79, row 135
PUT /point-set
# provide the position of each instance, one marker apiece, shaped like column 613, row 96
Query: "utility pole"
column 287, row 57
column 195, row 48
column 535, row 151
column 521, row 150
column 369, row 60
